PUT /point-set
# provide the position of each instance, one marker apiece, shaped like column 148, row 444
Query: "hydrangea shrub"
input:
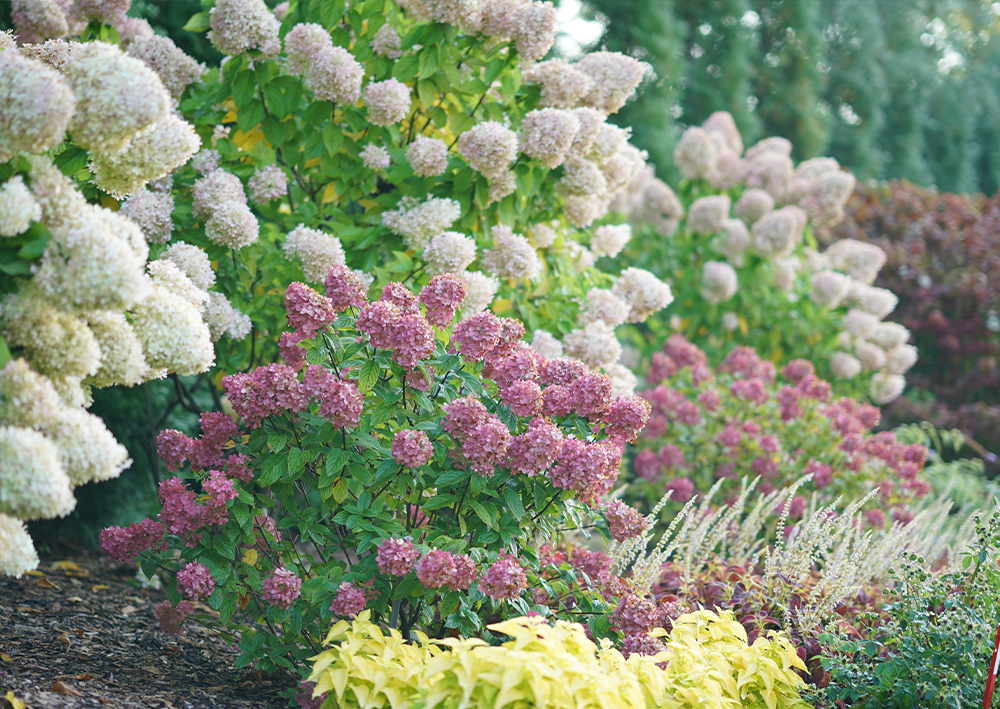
column 736, row 242
column 386, row 465
column 744, row 418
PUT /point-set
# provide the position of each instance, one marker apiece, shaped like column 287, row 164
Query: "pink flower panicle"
column 217, row 429
column 524, row 398
column 308, row 310
column 562, row 370
column 634, row 615
column 340, row 401
column 238, row 468
column 220, row 491
column 350, row 600
column 625, row 417
column 396, row 557
column 558, row 400
column 486, row 445
column 752, row 390
column 583, row 467
column 378, row 321
column 173, row 448
column 462, row 415
column 504, row 579
column 304, row 696
column 511, row 333
column 797, row 370
column 281, row 588
column 195, row 581
column 442, row 297
column 535, row 450
column 344, row 289
column 624, row 522
column 123, row 545
column 442, row 569
column 264, row 392
column 411, row 340
column 400, row 296
column 682, row 488
column 411, row 448
column 291, row 351
column 521, row 364
column 661, row 367
column 682, row 352
column 642, row 644
column 181, row 515
column 592, row 394
column 743, row 362
column 171, row 619
column 476, row 336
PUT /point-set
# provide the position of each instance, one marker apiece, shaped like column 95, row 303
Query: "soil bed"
column 83, row 634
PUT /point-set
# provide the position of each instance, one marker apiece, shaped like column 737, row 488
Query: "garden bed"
column 83, row 634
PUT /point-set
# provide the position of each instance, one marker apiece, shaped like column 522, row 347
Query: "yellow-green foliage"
column 709, row 666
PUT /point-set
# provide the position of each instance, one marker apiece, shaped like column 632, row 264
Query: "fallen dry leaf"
column 36, row 572
column 14, row 701
column 75, row 599
column 66, row 566
column 45, row 583
column 129, row 610
column 83, row 677
column 64, row 639
column 152, row 670
column 100, row 587
column 5, row 657
column 63, row 688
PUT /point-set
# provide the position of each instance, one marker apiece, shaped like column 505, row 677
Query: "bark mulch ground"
column 83, row 634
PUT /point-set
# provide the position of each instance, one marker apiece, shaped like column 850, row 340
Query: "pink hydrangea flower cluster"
column 281, row 588
column 411, row 448
column 291, row 351
column 625, row 417
column 172, row 447
column 266, row 391
column 477, row 335
column 534, row 451
column 395, row 323
column 589, row 469
column 442, row 297
column 504, row 579
column 340, row 401
column 171, row 618
column 206, row 452
column 750, row 423
column 442, row 569
column 344, row 289
column 350, row 600
column 396, row 557
column 123, row 545
column 181, row 515
column 634, row 615
column 304, row 695
column 195, row 581
column 624, row 522
column 308, row 311
column 523, row 397
column 486, row 445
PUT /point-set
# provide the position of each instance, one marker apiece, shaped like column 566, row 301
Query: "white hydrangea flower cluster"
column 428, row 157
column 239, row 26
column 18, row 207
column 489, row 148
column 331, row 73
column 416, row 222
column 512, row 256
column 219, row 197
column 268, row 183
column 375, row 157
column 718, row 282
column 387, row 101
column 150, row 211
column 315, row 251
column 610, row 239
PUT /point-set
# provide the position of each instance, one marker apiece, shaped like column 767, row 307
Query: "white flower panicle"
column 268, row 183
column 239, row 26
column 581, row 211
column 316, row 251
column 281, row 10
column 241, row 327
column 623, row 167
column 844, row 365
column 150, row 211
column 591, row 121
column 205, row 161
column 18, row 208
column 871, row 356
column 87, row 450
column 17, row 553
column 718, row 282
column 54, row 342
column 33, row 482
column 615, row 76
column 481, row 289
column 331, row 73
column 36, row 106
column 449, row 252
column 706, row 215
column 859, row 260
column 26, row 397
column 730, row 321
column 375, row 157
column 499, row 18
column 753, row 204
column 116, row 97
column 886, row 388
column 151, row 154
column 651, row 202
column 583, row 178
column 547, row 135
column 644, row 292
column 175, row 68
column 542, row 235
column 561, row 84
column 608, row 141
column 859, row 323
column 172, row 333
column 214, row 189
column 387, row 101
column 594, row 344
column 107, row 12
column 512, row 255
column 416, row 222
column 721, row 128
column 53, row 52
column 829, row 288
column 877, row 301
column 545, row 344
column 535, row 30
column 603, row 306
column 387, row 43
column 888, row 335
column 784, row 271
column 465, row 14
column 822, row 189
column 734, row 240
column 122, row 360
column 219, row 315
column 776, row 233
column 38, row 19
column 579, row 255
column 232, row 224
column 428, row 157
column 610, row 239
column 165, row 274
column 133, row 29
column 193, row 262
column 695, row 155
column 502, row 186
column 770, row 170
column 900, row 358
column 489, row 148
